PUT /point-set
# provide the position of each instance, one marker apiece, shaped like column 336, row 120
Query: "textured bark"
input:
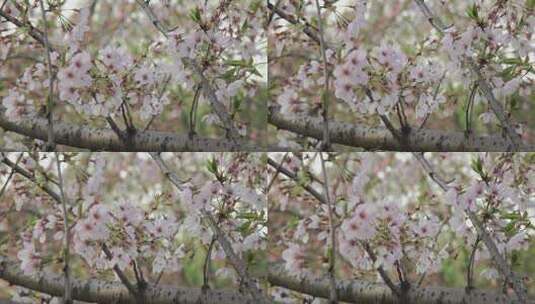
column 365, row 292
column 378, row 138
column 106, row 139
column 110, row 292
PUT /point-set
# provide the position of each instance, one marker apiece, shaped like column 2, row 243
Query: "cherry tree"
column 401, row 75
column 142, row 75
column 384, row 228
column 133, row 228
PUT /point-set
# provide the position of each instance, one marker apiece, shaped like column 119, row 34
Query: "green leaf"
column 195, row 15
column 472, row 12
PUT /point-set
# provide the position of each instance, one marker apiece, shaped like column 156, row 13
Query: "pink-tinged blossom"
column 29, row 258
column 128, row 213
column 353, row 28
column 120, row 258
column 144, row 75
column 99, row 215
column 291, row 105
column 361, row 225
column 426, row 227
column 294, row 258
column 76, row 36
column 184, row 45
column 519, row 241
column 75, row 76
column 162, row 227
column 96, row 180
column 248, row 196
column 116, row 59
column 18, row 107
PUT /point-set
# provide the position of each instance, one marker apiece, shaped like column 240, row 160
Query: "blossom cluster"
column 396, row 70
column 159, row 232
column 379, row 221
column 123, row 72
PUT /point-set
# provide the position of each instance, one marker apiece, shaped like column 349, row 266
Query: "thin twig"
column 51, row 145
column 206, row 267
column 294, row 177
column 43, row 186
column 120, row 273
column 326, row 145
column 388, row 281
column 277, row 171
column 333, row 296
column 4, row 187
column 470, row 271
column 67, row 296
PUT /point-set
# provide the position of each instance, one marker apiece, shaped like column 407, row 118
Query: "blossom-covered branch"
column 502, row 265
column 495, row 105
column 407, row 80
column 234, row 259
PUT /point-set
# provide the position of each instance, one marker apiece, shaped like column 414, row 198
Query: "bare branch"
column 43, row 186
column 106, row 139
column 8, row 179
column 308, row 29
column 122, row 277
column 320, row 197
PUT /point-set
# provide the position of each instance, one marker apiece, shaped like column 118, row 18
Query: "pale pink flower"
column 294, row 258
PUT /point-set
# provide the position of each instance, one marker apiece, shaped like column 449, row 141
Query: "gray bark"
column 380, row 138
column 365, row 292
column 93, row 290
column 99, row 139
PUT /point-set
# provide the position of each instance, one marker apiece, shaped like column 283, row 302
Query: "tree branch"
column 122, row 277
column 379, row 138
column 234, row 260
column 86, row 137
column 395, row 290
column 93, row 290
column 30, row 177
column 307, row 28
column 320, row 197
column 365, row 292
column 32, row 31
